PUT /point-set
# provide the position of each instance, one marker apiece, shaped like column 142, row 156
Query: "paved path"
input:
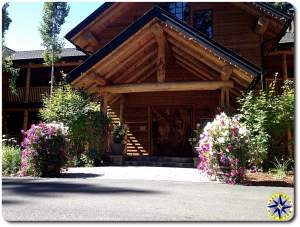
column 90, row 197
column 141, row 173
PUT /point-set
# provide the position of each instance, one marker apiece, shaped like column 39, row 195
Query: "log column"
column 28, row 78
column 104, row 102
column 25, row 121
column 225, row 76
column 122, row 102
column 27, row 93
column 289, row 132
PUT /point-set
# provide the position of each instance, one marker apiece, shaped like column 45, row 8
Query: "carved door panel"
column 171, row 128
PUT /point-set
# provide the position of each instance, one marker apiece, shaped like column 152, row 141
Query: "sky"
column 23, row 31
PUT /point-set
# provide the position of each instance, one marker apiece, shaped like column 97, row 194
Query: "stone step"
column 160, row 159
column 159, row 164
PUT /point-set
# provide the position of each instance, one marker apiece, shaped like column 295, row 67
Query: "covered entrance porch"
column 160, row 77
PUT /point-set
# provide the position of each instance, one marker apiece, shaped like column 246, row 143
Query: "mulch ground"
column 268, row 179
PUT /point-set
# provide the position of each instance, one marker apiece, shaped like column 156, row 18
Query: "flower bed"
column 44, row 149
column 221, row 148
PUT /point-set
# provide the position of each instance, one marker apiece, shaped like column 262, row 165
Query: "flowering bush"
column 44, row 149
column 221, row 147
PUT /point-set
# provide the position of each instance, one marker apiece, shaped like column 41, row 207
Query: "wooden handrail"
column 35, row 94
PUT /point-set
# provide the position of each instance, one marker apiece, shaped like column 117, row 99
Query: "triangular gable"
column 172, row 25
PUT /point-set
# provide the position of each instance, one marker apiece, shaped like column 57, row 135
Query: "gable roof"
column 261, row 6
column 162, row 15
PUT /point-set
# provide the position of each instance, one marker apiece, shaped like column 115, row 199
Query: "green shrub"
column 81, row 113
column 11, row 159
column 266, row 113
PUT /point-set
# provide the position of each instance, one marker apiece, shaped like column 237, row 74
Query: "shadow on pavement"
column 39, row 188
column 80, row 175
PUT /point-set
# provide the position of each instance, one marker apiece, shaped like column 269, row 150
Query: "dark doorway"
column 171, row 128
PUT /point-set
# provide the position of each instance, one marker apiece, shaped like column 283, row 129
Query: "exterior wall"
column 232, row 27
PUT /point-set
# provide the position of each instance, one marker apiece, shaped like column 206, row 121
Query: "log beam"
column 262, row 25
column 226, row 72
column 95, row 77
column 158, row 33
column 167, row 86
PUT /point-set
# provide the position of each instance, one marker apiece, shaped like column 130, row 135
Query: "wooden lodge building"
column 162, row 68
column 20, row 108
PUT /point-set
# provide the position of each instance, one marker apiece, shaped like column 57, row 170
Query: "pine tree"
column 54, row 14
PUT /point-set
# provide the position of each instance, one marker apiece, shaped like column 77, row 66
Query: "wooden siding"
column 233, row 27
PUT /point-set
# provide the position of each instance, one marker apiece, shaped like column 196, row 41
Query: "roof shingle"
column 38, row 54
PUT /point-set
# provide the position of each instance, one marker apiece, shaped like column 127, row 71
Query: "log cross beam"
column 167, row 86
column 158, row 33
column 95, row 77
column 225, row 75
column 262, row 25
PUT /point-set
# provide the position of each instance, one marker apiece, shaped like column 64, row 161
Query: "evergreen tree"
column 7, row 63
column 54, row 14
column 5, row 19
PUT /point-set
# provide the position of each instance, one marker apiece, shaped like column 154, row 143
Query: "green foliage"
column 77, row 110
column 194, row 139
column 7, row 64
column 266, row 113
column 284, row 7
column 119, row 133
column 11, row 157
column 281, row 168
column 54, row 14
column 5, row 19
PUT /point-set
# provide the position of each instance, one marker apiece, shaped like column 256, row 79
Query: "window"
column 181, row 10
column 203, row 22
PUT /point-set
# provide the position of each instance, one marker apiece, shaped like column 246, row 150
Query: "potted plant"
column 119, row 134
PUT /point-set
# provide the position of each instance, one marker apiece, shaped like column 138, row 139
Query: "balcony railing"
column 35, row 94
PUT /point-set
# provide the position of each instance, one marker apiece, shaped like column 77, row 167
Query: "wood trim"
column 167, row 86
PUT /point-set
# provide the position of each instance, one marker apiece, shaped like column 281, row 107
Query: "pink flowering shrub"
column 221, row 148
column 44, row 149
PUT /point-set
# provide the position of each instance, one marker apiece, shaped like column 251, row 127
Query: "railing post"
column 25, row 121
column 28, row 76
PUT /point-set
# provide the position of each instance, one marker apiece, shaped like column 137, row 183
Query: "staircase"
column 183, row 162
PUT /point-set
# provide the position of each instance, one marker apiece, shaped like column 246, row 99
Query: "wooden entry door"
column 170, row 129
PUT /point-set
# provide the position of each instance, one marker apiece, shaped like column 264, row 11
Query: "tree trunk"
column 52, row 78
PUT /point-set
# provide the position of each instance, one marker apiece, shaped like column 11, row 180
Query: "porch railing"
column 35, row 94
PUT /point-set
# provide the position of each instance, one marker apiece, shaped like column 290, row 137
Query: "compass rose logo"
column 280, row 207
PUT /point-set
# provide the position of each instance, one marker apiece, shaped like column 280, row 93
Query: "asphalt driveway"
column 88, row 197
